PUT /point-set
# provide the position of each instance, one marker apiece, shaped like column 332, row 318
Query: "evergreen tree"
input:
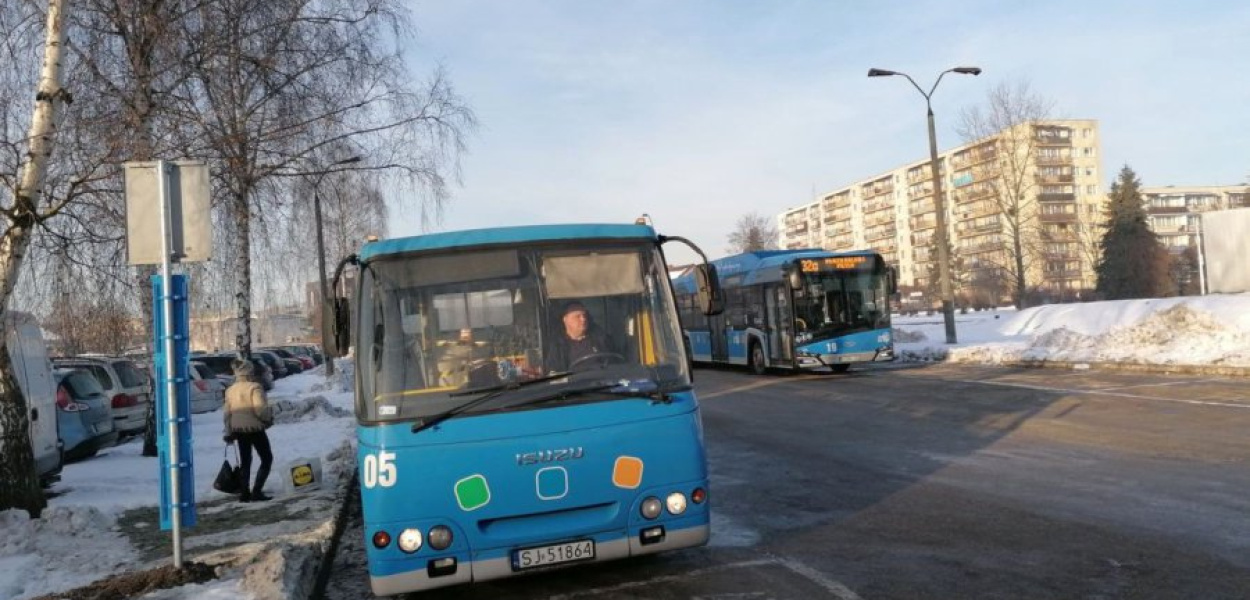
column 1134, row 263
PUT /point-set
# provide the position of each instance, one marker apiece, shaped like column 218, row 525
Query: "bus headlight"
column 651, row 507
column 676, row 502
column 440, row 537
column 410, row 540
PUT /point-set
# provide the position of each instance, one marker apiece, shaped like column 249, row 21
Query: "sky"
column 698, row 112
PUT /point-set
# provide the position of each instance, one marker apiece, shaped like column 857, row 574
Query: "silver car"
column 123, row 383
column 208, row 392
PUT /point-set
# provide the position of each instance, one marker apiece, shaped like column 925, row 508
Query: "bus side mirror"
column 711, row 299
column 340, row 329
column 893, row 279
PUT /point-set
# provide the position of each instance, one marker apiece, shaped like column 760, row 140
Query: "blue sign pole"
column 173, row 431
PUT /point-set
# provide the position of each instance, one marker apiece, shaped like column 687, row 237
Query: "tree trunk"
column 19, row 482
column 1020, row 282
column 243, row 272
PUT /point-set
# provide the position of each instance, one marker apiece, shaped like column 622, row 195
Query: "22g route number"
column 380, row 469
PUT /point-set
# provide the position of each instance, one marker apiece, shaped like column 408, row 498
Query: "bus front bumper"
column 817, row 361
column 500, row 567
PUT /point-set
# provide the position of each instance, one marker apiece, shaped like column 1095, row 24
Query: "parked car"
column 84, row 416
column 29, row 356
column 223, row 366
column 305, row 358
column 293, row 364
column 123, row 382
column 208, row 392
column 274, row 361
column 309, row 350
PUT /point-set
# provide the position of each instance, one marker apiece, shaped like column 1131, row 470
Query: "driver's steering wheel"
column 604, row 358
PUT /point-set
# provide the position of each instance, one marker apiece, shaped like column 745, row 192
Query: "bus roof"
column 505, row 235
column 758, row 267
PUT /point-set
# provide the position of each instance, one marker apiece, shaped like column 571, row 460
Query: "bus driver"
column 580, row 340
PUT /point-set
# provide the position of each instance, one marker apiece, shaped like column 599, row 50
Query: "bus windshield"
column 434, row 325
column 837, row 302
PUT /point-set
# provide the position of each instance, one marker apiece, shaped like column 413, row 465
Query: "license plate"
column 542, row 556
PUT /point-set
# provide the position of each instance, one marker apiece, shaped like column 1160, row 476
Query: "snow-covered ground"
column 1207, row 330
column 77, row 540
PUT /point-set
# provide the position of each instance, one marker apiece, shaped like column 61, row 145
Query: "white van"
column 33, row 370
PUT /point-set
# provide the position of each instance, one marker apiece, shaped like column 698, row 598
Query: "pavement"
column 278, row 549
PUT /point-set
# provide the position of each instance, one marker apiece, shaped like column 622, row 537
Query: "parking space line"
column 1167, row 383
column 1101, row 393
column 839, row 591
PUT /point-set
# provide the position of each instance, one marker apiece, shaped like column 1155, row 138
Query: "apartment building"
column 1053, row 167
column 1173, row 212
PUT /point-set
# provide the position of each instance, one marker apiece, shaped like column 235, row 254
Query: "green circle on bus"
column 472, row 492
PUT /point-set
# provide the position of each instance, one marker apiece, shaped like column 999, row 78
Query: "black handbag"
column 229, row 478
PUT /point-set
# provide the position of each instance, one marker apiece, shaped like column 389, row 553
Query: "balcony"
column 1056, row 197
column 1057, row 218
column 1065, row 159
column 1050, row 137
column 880, row 234
column 879, row 219
column 1064, row 274
column 1069, row 178
column 922, row 207
column 878, row 190
column 1166, row 210
column 979, row 229
column 877, row 205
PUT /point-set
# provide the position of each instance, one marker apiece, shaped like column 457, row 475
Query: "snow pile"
column 306, row 409
column 66, row 547
column 1209, row 330
column 905, row 336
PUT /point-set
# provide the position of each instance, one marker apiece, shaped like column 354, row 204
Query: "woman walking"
column 247, row 416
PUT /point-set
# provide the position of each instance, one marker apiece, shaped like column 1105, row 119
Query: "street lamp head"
column 967, row 70
column 880, row 73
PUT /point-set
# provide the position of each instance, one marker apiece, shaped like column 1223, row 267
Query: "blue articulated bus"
column 523, row 402
column 793, row 309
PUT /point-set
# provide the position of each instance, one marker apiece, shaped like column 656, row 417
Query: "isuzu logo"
column 546, row 456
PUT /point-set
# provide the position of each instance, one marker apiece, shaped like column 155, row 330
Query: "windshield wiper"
column 624, row 388
column 510, row 385
column 490, row 393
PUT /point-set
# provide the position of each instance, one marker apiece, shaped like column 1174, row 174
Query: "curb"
column 1157, row 369
column 340, row 521
column 299, row 568
column 1220, row 370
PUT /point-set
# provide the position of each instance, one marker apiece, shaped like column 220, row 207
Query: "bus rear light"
column 440, row 537
column 651, row 507
column 381, row 540
column 698, row 496
column 410, row 540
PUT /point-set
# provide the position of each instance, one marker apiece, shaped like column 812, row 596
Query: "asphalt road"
column 946, row 482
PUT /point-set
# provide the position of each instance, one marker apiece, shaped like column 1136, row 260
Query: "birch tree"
column 280, row 83
column 22, row 212
column 1007, row 122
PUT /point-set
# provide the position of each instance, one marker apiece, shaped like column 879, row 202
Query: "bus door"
column 772, row 322
column 780, row 309
column 718, row 327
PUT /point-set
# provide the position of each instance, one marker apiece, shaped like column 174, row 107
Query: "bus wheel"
column 758, row 366
column 840, row 367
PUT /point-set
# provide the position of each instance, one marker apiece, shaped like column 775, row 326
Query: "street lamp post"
column 944, row 267
column 321, row 258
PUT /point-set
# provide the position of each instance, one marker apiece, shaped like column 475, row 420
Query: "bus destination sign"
column 837, row 263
